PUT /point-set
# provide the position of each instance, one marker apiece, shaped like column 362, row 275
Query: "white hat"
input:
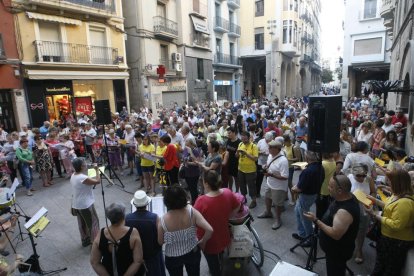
column 22, row 133
column 140, row 199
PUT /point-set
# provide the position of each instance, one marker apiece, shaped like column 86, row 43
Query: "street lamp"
column 271, row 27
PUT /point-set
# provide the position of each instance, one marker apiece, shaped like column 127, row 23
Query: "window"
column 285, row 31
column 285, row 5
column 259, row 38
column 2, row 52
column 217, row 9
column 370, row 9
column 196, row 6
column 164, row 55
column 370, row 46
column 218, row 45
column 232, row 49
column 161, row 10
column 259, row 4
column 51, row 49
column 200, row 69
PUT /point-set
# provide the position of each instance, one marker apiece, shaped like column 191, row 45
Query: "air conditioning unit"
column 178, row 67
column 176, row 57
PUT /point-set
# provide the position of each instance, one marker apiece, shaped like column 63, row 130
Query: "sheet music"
column 42, row 212
column 13, row 188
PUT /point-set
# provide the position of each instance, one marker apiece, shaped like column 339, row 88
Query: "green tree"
column 327, row 75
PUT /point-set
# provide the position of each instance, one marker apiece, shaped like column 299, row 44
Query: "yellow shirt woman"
column 159, row 151
column 150, row 149
column 398, row 219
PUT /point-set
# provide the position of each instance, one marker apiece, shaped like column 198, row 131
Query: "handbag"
column 374, row 231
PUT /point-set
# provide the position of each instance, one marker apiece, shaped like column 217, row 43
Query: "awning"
column 200, row 25
column 75, row 75
column 53, row 18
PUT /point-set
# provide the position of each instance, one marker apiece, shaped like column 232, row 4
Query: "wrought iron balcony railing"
column 102, row 5
column 226, row 59
column 164, row 26
column 58, row 52
column 221, row 23
column 234, row 29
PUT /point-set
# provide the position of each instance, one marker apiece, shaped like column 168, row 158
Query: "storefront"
column 59, row 99
column 167, row 94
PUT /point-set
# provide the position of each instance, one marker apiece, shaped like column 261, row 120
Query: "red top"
column 170, row 156
column 402, row 120
column 217, row 211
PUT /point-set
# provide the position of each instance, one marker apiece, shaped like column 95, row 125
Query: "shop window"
column 259, row 38
column 58, row 106
column 200, row 69
column 259, row 8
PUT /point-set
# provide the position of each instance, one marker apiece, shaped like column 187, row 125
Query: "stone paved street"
column 59, row 245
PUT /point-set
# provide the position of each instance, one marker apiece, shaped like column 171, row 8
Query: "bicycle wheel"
column 258, row 253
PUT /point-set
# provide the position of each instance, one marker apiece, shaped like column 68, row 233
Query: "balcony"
column 201, row 40
column 234, row 30
column 307, row 38
column 165, row 28
column 221, row 25
column 169, row 66
column 289, row 49
column 387, row 9
column 306, row 58
column 199, row 9
column 102, row 8
column 226, row 60
column 234, row 4
column 59, row 52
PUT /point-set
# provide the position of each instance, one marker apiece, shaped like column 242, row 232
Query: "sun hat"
column 140, row 199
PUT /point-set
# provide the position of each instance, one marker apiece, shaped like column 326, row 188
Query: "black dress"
column 124, row 255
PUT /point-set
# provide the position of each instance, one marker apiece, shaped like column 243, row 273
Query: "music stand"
column 35, row 225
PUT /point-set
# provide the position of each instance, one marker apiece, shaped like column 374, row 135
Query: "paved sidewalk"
column 60, row 246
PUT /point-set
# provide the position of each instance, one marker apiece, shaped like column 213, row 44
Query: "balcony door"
column 162, row 14
column 100, row 53
column 50, row 45
column 164, row 60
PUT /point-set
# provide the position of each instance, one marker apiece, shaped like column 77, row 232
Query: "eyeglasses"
column 361, row 175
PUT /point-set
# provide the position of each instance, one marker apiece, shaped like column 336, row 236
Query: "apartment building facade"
column 275, row 48
column 72, row 53
column 11, row 94
column 397, row 20
column 366, row 43
column 225, row 40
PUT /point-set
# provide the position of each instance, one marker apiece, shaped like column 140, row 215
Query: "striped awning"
column 53, row 18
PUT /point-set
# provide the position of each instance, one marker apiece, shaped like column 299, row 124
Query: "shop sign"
column 58, row 87
column 84, row 105
column 170, row 86
column 223, row 82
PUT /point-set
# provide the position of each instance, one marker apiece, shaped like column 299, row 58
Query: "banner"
column 84, row 105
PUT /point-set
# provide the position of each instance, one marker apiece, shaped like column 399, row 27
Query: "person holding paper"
column 146, row 149
column 43, row 161
column 83, row 200
column 397, row 225
column 362, row 182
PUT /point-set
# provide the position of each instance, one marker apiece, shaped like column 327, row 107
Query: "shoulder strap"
column 274, row 159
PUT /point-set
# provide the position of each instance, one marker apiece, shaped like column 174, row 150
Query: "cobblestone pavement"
column 59, row 245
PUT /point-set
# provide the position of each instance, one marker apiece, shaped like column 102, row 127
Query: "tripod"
column 112, row 173
column 313, row 250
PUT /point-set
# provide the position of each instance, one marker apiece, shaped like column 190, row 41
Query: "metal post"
column 271, row 26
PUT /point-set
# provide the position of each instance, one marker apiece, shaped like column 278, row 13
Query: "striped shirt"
column 180, row 242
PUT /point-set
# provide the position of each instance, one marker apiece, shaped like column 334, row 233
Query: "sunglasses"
column 361, row 175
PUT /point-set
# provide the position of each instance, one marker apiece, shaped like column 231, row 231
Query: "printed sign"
column 84, row 105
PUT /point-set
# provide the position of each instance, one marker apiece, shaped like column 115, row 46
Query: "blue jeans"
column 138, row 166
column 303, row 204
column 26, row 173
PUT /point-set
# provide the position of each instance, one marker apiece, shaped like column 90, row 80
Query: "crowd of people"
column 199, row 156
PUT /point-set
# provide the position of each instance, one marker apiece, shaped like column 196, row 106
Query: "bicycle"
column 257, row 255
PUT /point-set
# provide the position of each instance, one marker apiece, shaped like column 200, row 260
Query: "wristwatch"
column 315, row 220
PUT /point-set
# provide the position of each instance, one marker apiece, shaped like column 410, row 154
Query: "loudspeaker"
column 103, row 112
column 324, row 123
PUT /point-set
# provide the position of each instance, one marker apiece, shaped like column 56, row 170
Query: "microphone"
column 5, row 211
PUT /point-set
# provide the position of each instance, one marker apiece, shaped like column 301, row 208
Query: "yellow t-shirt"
column 329, row 167
column 397, row 220
column 159, row 151
column 146, row 149
column 246, row 164
column 289, row 154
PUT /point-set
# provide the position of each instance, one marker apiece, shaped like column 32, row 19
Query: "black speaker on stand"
column 324, row 123
column 103, row 112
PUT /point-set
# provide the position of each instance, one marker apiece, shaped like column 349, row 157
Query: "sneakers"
column 29, row 193
column 276, row 225
column 296, row 236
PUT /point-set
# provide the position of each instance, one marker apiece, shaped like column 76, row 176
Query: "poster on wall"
column 83, row 105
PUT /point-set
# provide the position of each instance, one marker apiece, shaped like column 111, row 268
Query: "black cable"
column 270, row 252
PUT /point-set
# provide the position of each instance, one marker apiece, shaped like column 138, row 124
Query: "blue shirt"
column 311, row 178
column 301, row 131
column 43, row 131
